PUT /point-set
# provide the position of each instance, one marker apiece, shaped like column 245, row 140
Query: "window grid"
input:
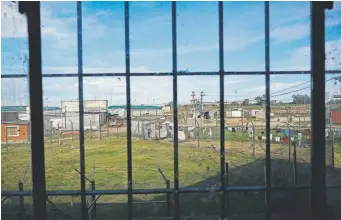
column 39, row 192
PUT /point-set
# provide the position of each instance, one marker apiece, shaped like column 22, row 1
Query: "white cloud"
column 299, row 58
column 289, row 33
column 74, row 69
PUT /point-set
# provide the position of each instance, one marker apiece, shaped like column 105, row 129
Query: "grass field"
column 198, row 167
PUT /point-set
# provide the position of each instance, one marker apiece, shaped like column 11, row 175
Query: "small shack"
column 15, row 131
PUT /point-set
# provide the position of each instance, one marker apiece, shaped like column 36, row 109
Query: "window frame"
column 39, row 193
column 13, row 126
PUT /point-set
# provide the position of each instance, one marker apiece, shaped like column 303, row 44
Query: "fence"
column 318, row 187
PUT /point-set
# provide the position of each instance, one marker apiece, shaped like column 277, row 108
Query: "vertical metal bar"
column 175, row 114
column 32, row 9
column 6, row 138
column 295, row 163
column 267, row 113
column 129, row 144
column 168, row 199
column 21, row 202
column 222, row 119
column 84, row 211
column 332, row 146
column 318, row 119
column 94, row 207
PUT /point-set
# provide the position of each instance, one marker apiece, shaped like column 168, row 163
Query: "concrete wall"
column 71, row 121
column 140, row 128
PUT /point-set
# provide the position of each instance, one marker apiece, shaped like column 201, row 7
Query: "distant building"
column 95, row 114
column 15, row 131
column 234, row 113
column 335, row 116
column 12, row 128
column 136, row 110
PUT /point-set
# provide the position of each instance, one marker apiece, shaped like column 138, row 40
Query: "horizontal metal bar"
column 119, row 203
column 170, row 74
column 161, row 191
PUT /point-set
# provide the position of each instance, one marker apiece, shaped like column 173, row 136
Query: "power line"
column 290, row 87
column 300, row 89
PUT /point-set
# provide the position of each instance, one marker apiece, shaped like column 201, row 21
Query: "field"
column 198, row 167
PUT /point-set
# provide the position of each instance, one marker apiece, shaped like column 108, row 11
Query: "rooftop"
column 22, row 108
column 139, row 107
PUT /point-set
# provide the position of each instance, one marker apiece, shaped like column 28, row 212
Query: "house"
column 15, row 131
column 12, row 128
column 234, row 113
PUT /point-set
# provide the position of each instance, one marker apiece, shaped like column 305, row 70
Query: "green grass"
column 110, row 159
column 198, row 167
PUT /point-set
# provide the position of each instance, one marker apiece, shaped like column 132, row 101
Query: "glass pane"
column 16, row 172
column 332, row 37
column 290, row 144
column 199, row 147
column 103, row 37
column 333, row 106
column 152, row 131
column 61, row 126
column 197, row 44
column 289, row 36
column 105, row 131
column 151, row 36
column 59, row 37
column 14, row 50
column 244, row 36
column 245, row 129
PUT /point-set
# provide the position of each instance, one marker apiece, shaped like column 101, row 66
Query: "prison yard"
column 153, row 164
column 152, row 128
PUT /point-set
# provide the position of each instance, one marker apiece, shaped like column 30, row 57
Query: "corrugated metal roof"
column 51, row 108
column 13, row 108
column 22, row 108
column 139, row 107
column 18, row 122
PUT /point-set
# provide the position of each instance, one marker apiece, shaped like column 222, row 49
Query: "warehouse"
column 95, row 115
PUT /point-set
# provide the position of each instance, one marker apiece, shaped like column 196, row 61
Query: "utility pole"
column 202, row 94
column 65, row 117
column 193, row 101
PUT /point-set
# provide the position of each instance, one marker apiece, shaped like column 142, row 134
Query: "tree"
column 246, row 102
column 301, row 99
column 260, row 100
column 334, row 101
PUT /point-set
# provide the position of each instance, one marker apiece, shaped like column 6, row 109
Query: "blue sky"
column 150, row 32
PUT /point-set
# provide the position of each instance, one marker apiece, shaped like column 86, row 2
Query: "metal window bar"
column 32, row 11
column 39, row 193
column 222, row 115
column 129, row 144
column 81, row 110
column 204, row 73
column 175, row 113
column 267, row 114
column 318, row 120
